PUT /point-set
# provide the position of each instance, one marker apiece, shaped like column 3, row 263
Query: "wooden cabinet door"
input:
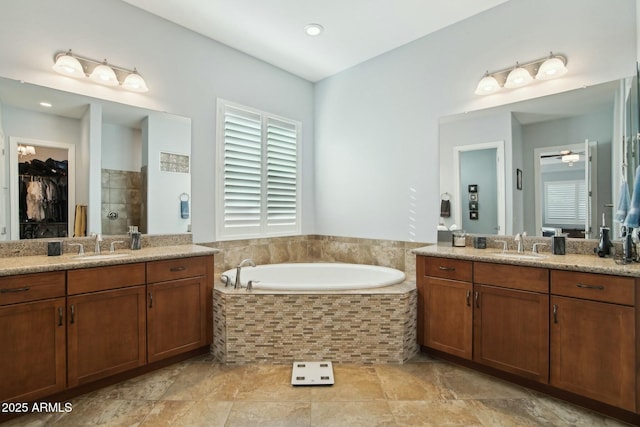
column 448, row 320
column 593, row 350
column 176, row 317
column 33, row 342
column 511, row 331
column 106, row 333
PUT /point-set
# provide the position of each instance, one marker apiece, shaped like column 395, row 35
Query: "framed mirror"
column 92, row 165
column 536, row 134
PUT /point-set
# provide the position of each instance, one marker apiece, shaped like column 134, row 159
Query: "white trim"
column 13, row 179
column 500, row 171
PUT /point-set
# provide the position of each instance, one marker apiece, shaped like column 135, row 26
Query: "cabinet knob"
column 73, row 313
column 555, row 313
column 447, row 268
column 477, row 298
column 60, row 316
column 150, row 300
column 468, row 298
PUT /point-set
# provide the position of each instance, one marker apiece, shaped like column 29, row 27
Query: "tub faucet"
column 244, row 262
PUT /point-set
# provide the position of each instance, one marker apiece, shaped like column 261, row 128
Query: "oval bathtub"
column 317, row 276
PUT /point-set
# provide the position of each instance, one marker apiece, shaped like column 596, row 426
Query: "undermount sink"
column 100, row 257
column 520, row 256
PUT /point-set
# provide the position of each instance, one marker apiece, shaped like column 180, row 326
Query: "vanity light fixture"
column 549, row 67
column 100, row 72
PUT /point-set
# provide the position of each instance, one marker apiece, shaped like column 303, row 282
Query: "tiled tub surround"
column 366, row 326
column 313, row 248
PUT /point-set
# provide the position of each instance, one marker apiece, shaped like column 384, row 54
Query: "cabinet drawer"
column 448, row 268
column 591, row 286
column 31, row 287
column 532, row 279
column 104, row 278
column 179, row 268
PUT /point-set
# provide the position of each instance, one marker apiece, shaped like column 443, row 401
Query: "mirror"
column 127, row 166
column 554, row 146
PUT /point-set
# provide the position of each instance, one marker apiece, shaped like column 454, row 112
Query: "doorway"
column 41, row 188
column 479, row 188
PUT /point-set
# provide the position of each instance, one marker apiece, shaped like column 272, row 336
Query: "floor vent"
column 312, row 373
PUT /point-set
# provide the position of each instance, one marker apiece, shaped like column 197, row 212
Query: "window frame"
column 263, row 229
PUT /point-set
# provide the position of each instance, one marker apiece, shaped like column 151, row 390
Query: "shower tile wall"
column 122, row 194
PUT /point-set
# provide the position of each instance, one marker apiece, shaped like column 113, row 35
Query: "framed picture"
column 473, row 188
column 473, row 197
column 473, row 205
column 473, row 215
column 519, row 179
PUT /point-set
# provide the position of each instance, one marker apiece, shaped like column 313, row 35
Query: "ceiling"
column 354, row 30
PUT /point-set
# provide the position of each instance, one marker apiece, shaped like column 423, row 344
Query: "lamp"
column 487, row 85
column 67, row 64
column 549, row 67
column 104, row 75
column 135, row 82
column 99, row 72
column 518, row 77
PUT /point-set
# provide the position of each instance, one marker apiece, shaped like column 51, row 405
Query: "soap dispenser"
column 604, row 246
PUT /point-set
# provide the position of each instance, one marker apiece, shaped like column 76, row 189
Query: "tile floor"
column 424, row 392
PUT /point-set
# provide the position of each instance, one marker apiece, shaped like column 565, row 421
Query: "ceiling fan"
column 567, row 156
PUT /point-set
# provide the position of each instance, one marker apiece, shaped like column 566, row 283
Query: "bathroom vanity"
column 564, row 325
column 70, row 322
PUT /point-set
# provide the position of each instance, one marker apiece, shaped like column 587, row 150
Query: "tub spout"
column 243, row 263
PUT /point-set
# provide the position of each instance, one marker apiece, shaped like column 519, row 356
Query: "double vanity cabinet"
column 569, row 333
column 68, row 328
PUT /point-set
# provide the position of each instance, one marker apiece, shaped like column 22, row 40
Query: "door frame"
column 500, row 172
column 14, row 192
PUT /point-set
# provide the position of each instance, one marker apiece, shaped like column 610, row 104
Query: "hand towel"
column 445, row 208
column 623, row 203
column 633, row 217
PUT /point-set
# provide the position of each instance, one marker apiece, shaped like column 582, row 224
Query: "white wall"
column 121, row 148
column 185, row 73
column 377, row 123
column 160, row 132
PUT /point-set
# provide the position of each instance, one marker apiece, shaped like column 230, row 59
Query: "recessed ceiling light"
column 46, row 104
column 313, row 29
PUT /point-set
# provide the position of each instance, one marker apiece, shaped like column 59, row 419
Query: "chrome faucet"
column 243, row 263
column 112, row 248
column 520, row 239
column 98, row 240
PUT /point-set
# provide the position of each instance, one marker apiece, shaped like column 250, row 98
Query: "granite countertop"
column 42, row 263
column 570, row 262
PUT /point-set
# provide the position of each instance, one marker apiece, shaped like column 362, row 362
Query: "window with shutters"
column 565, row 203
column 258, row 173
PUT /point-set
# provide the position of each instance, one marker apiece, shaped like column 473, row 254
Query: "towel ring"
column 445, row 196
column 184, row 197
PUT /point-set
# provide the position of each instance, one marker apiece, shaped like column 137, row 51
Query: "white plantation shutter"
column 565, row 203
column 242, row 169
column 282, row 173
column 258, row 174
